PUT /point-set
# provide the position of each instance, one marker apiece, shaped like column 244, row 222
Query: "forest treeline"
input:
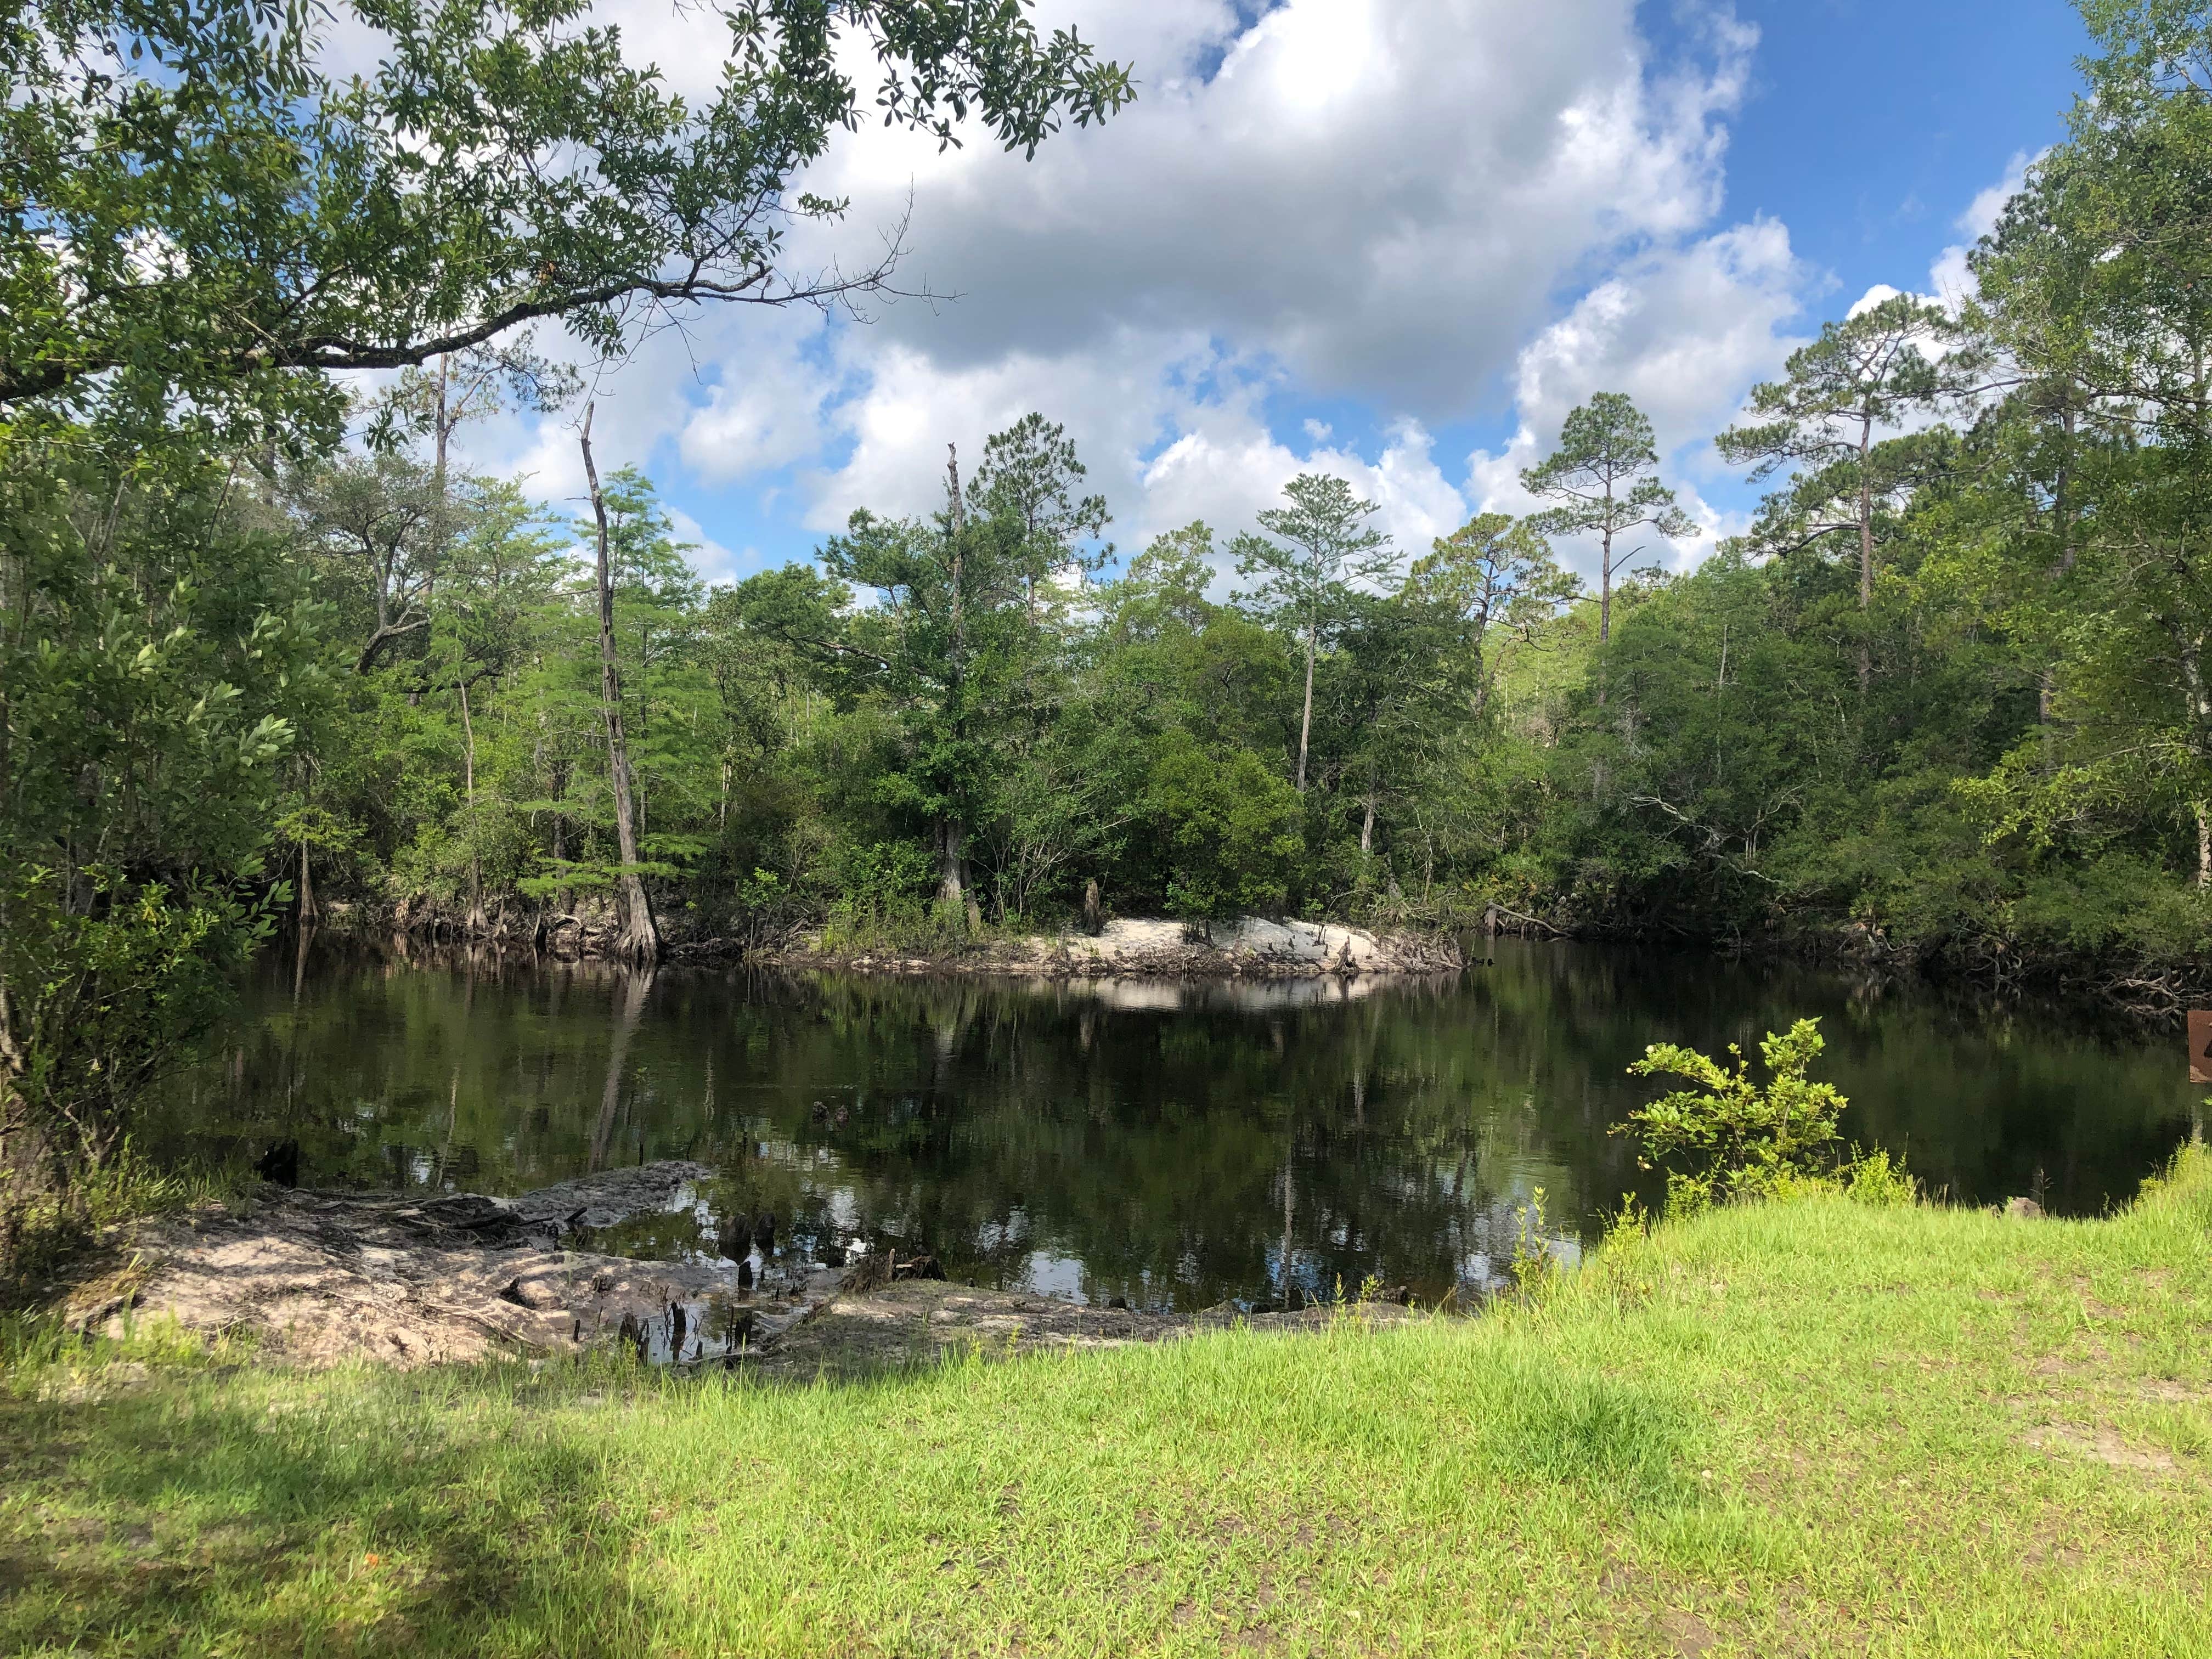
column 264, row 647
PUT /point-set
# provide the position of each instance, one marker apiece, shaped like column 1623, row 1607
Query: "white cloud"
column 1383, row 198
column 1950, row 282
column 1364, row 200
column 1679, row 332
column 1380, row 205
column 1872, row 297
column 1682, row 332
column 765, row 408
column 1227, row 466
column 1948, row 278
column 716, row 562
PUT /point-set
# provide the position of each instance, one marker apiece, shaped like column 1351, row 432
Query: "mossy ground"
column 1807, row 1427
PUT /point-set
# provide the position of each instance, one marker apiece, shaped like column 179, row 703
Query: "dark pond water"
column 1174, row 1145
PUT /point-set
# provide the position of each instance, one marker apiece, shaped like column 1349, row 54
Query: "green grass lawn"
column 1811, row 1427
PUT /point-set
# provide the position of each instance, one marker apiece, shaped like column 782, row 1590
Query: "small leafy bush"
column 1533, row 1267
column 1733, row 1137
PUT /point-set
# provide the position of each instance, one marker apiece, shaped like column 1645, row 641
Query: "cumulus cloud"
column 1429, row 214
column 1949, row 279
column 1682, row 331
column 708, row 556
column 1384, row 198
column 1360, row 200
column 1228, row 464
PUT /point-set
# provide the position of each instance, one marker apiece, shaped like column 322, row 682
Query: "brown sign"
column 2200, row 1045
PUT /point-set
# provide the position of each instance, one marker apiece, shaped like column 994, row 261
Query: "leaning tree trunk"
column 635, row 940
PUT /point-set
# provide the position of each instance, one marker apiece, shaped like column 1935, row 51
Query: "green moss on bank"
column 1811, row 1427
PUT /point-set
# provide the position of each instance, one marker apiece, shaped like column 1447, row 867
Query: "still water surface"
column 1175, row 1145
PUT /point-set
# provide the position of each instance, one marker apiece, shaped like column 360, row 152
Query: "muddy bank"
column 318, row 1278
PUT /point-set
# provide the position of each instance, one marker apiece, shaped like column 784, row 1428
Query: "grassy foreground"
column 1803, row 1428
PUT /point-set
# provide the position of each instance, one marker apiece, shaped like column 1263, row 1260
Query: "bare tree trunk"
column 1367, row 827
column 2189, row 653
column 1605, row 592
column 951, row 834
column 11, row 1052
column 469, row 778
column 2062, row 503
column 2062, row 515
column 299, row 978
column 1306, row 719
column 644, row 710
column 1605, row 583
column 308, row 912
column 443, row 426
column 636, row 940
column 951, row 864
column 1866, row 553
column 959, row 516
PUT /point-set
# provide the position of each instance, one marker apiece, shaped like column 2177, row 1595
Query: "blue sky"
column 1394, row 242
column 1870, row 124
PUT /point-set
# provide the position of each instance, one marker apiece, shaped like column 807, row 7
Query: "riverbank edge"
column 1250, row 949
column 1169, row 950
column 2151, row 994
column 316, row 1280
column 1805, row 1426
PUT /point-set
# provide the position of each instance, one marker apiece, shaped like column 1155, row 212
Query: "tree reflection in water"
column 1168, row 1144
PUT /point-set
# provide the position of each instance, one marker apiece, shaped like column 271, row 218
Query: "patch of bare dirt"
column 2165, row 1392
column 1689, row 1634
column 2101, row 1445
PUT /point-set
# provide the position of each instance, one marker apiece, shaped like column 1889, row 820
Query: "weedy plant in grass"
column 1730, row 1137
column 1532, row 1266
